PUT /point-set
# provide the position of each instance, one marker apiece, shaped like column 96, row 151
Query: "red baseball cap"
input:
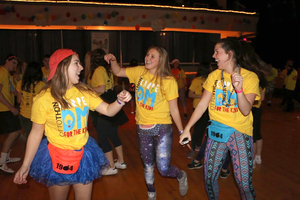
column 56, row 58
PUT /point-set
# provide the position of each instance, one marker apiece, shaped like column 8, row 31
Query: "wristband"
column 239, row 91
column 180, row 132
column 119, row 102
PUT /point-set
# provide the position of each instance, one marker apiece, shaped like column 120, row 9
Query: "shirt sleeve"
column 170, row 89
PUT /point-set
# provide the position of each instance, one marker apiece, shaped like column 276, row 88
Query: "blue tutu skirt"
column 91, row 165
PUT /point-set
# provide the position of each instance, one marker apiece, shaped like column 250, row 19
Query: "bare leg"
column 10, row 140
column 83, row 192
column 110, row 158
column 59, row 192
column 259, row 145
column 119, row 151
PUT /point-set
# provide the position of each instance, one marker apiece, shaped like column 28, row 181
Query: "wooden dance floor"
column 278, row 177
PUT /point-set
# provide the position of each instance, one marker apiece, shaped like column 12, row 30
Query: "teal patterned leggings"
column 240, row 147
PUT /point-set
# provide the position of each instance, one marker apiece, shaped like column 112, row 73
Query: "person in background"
column 291, row 79
column 229, row 93
column 45, row 68
column 133, row 63
column 156, row 105
column 21, row 67
column 271, row 84
column 101, row 80
column 9, row 114
column 195, row 92
column 68, row 156
column 180, row 77
column 27, row 88
column 87, row 66
column 257, row 114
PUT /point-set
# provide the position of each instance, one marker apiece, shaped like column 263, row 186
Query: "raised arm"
column 115, row 67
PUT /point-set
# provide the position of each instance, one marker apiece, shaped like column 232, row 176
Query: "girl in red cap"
column 68, row 156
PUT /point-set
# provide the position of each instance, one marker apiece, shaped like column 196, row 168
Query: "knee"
column 163, row 170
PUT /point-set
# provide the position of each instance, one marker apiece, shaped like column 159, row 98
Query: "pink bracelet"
column 239, row 91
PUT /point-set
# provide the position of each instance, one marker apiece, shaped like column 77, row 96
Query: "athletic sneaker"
column 120, row 165
column 109, row 171
column 151, row 195
column 194, row 165
column 257, row 160
column 4, row 168
column 12, row 159
column 224, row 175
column 183, row 184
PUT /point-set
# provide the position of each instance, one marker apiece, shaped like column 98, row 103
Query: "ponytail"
column 247, row 58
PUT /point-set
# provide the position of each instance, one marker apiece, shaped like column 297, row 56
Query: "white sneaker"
column 120, row 165
column 4, row 168
column 109, row 171
column 12, row 159
column 258, row 160
column 151, row 195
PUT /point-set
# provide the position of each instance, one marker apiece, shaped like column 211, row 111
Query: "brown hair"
column 58, row 84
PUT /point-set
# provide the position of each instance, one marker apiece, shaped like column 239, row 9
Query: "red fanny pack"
column 65, row 161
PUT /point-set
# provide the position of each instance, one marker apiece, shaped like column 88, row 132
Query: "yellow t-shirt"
column 273, row 76
column 46, row 73
column 197, row 88
column 231, row 116
column 152, row 98
column 179, row 76
column 290, row 83
column 27, row 97
column 257, row 103
column 283, row 76
column 100, row 77
column 8, row 88
column 66, row 129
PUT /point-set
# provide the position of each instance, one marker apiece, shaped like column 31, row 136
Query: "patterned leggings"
column 156, row 142
column 240, row 147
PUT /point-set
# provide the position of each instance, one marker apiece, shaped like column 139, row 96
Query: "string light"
column 137, row 5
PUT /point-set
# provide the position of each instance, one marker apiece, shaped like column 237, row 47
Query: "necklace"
column 225, row 100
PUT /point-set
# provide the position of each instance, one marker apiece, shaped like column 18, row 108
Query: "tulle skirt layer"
column 91, row 165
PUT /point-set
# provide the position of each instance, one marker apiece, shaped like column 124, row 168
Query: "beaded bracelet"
column 180, row 132
column 119, row 102
column 239, row 91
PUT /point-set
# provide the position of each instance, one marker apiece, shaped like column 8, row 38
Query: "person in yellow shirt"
column 257, row 114
column 45, row 68
column 271, row 84
column 180, row 77
column 9, row 115
column 27, row 88
column 156, row 105
column 195, row 92
column 291, row 80
column 229, row 93
column 68, row 156
column 101, row 80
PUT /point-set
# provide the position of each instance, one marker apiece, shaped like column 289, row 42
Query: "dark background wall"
column 32, row 45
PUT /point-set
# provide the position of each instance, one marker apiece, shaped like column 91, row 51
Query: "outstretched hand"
column 109, row 57
column 21, row 175
column 124, row 96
